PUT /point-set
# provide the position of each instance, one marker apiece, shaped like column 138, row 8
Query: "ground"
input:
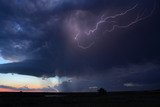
column 110, row 99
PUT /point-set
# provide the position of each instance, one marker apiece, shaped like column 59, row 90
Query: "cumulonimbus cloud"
column 34, row 35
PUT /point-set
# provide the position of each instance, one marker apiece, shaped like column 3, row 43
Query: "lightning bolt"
column 104, row 20
column 79, row 44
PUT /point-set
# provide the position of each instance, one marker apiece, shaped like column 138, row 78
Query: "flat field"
column 110, row 99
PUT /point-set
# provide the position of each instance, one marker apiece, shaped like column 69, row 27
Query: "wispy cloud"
column 132, row 85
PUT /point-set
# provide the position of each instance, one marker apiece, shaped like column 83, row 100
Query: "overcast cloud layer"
column 37, row 37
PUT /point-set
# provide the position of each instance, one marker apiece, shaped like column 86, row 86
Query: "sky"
column 79, row 45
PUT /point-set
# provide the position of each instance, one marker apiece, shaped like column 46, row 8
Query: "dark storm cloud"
column 29, row 67
column 143, row 76
column 32, row 35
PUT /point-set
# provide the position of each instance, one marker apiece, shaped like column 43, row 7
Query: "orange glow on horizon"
column 7, row 90
column 11, row 90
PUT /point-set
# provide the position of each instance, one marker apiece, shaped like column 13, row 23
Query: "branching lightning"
column 111, row 20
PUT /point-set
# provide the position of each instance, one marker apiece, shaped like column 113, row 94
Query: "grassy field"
column 112, row 99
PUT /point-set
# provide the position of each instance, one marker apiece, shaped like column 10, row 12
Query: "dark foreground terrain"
column 114, row 99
